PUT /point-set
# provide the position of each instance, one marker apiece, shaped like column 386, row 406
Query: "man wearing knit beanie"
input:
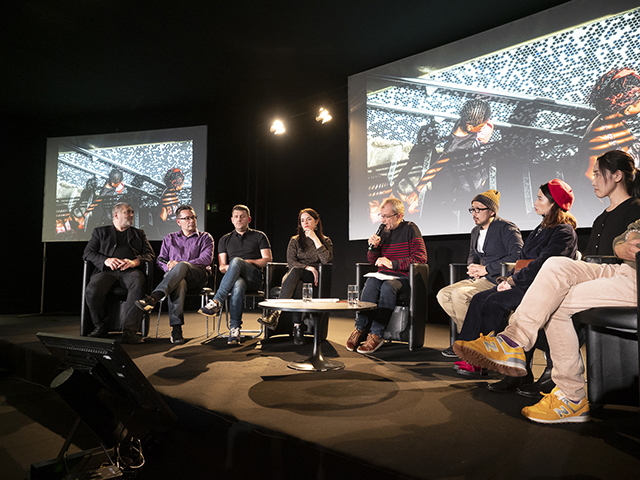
column 493, row 241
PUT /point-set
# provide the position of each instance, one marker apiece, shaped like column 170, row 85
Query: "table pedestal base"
column 316, row 362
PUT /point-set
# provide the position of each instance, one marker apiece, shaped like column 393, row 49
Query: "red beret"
column 561, row 193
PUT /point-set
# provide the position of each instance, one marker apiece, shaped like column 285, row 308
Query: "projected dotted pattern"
column 563, row 66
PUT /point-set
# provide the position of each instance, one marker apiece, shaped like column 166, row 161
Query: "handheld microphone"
column 378, row 232
column 163, row 260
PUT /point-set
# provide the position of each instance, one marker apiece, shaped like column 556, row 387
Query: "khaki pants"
column 561, row 288
column 454, row 299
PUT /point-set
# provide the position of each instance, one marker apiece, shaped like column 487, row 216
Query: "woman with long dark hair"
column 305, row 252
column 555, row 236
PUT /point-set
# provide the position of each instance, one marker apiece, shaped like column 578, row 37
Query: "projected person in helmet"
column 169, row 203
column 457, row 167
column 99, row 212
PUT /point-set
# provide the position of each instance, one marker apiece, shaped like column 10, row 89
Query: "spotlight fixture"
column 277, row 128
column 323, row 116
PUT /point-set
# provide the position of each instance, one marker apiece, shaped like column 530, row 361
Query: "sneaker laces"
column 210, row 304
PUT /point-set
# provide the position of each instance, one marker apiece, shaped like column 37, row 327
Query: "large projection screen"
column 535, row 76
column 154, row 171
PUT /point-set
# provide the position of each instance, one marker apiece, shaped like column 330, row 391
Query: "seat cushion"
column 612, row 317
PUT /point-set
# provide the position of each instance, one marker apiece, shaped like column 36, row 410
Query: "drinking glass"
column 352, row 295
column 307, row 291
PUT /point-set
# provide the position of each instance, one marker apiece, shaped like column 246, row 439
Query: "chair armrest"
column 361, row 270
column 457, row 272
column 274, row 274
column 325, row 275
column 602, row 259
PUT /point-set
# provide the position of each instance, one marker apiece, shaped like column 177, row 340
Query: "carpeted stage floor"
column 244, row 414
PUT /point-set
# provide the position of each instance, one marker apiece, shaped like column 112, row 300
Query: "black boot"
column 510, row 384
column 298, row 336
column 544, row 384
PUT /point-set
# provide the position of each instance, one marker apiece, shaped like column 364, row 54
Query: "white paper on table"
column 380, row 276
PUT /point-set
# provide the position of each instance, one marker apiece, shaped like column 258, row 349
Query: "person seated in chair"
column 242, row 254
column 185, row 257
column 305, row 252
column 494, row 241
column 117, row 251
column 397, row 247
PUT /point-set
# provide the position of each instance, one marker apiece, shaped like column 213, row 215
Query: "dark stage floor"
column 243, row 414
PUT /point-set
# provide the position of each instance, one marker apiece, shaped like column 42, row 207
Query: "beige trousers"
column 454, row 299
column 561, row 288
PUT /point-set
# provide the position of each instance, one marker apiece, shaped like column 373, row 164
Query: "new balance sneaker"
column 176, row 335
column 373, row 343
column 555, row 407
column 234, row 336
column 271, row 321
column 355, row 339
column 210, row 309
column 493, row 353
column 146, row 303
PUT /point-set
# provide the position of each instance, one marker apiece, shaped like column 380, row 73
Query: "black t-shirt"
column 123, row 250
column 246, row 246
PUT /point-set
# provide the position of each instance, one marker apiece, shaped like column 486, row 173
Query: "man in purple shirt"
column 186, row 258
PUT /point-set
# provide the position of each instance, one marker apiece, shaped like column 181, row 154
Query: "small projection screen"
column 507, row 109
column 154, row 171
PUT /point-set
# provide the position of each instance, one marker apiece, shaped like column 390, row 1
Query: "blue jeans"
column 384, row 293
column 240, row 277
column 174, row 286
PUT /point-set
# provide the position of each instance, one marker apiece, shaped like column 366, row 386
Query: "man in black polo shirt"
column 242, row 254
column 117, row 251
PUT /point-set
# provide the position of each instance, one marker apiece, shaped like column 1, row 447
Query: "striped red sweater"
column 403, row 246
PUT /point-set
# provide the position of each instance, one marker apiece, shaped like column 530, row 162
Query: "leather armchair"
column 274, row 274
column 612, row 350
column 408, row 321
column 115, row 297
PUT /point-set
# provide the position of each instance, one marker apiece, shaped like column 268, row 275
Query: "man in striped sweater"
column 399, row 245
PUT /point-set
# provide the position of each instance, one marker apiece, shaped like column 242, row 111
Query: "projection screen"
column 154, row 171
column 507, row 109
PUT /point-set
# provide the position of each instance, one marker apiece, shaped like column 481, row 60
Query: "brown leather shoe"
column 354, row 339
column 373, row 343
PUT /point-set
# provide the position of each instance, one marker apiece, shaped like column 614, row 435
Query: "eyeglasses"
column 389, row 216
column 187, row 218
column 477, row 210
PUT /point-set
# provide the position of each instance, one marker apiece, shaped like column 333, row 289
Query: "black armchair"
column 115, row 298
column 275, row 272
column 612, row 350
column 408, row 321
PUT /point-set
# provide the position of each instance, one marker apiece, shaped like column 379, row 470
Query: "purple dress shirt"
column 197, row 249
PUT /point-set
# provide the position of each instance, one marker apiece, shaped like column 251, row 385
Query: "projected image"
column 153, row 177
column 509, row 120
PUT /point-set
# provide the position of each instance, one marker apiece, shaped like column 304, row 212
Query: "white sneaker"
column 211, row 309
column 234, row 336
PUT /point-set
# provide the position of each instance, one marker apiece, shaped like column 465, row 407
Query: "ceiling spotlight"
column 277, row 128
column 323, row 116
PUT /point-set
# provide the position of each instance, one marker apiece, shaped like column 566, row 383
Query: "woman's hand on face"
column 315, row 274
column 311, row 234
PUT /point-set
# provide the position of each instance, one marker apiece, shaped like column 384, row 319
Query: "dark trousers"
column 100, row 284
column 292, row 287
column 384, row 293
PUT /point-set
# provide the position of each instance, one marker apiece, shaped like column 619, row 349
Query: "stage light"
column 323, row 116
column 277, row 128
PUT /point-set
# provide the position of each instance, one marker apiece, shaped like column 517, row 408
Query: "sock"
column 157, row 295
column 508, row 341
column 177, row 328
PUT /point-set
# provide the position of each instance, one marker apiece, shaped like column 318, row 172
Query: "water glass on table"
column 307, row 292
column 353, row 295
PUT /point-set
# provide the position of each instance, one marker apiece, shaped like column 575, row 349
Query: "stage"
column 394, row 414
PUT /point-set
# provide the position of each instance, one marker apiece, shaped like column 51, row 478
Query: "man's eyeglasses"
column 477, row 210
column 187, row 218
column 389, row 216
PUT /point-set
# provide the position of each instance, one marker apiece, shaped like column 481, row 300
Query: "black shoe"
column 510, row 384
column 100, row 331
column 147, row 303
column 449, row 353
column 270, row 321
column 544, row 384
column 131, row 337
column 176, row 336
column 298, row 336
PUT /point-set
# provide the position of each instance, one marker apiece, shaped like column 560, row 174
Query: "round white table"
column 318, row 308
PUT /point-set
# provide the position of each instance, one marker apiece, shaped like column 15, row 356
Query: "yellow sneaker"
column 493, row 353
column 555, row 407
